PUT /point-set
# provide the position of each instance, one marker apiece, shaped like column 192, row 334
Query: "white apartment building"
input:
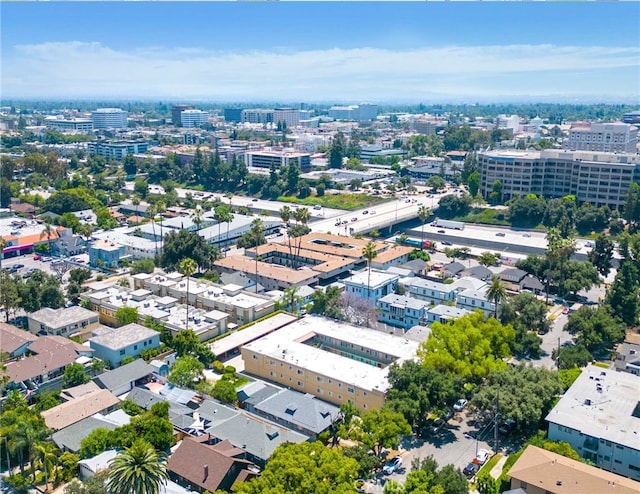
column 599, row 178
column 614, row 137
column 599, row 416
column 193, row 118
column 509, row 122
column 109, row 118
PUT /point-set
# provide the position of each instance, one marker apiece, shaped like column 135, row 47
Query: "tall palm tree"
column 496, row 292
column 302, row 216
column 285, row 216
column 197, row 218
column 369, row 252
column 138, row 469
column 47, row 231
column 222, row 214
column 3, row 244
column 187, row 267
column 227, row 218
column 152, row 211
column 423, row 213
column 161, row 207
column 47, row 453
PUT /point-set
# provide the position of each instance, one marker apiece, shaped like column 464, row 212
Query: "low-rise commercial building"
column 334, row 361
column 277, row 158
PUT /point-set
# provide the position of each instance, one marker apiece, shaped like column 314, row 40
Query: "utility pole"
column 495, row 425
column 558, row 355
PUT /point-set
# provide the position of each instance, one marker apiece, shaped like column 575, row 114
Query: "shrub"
column 218, row 367
column 230, row 369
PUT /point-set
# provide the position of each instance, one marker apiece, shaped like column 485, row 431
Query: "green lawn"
column 337, row 201
column 485, row 216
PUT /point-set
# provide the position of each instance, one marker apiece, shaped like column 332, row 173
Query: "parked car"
column 373, row 211
column 17, row 266
column 254, row 199
column 317, row 207
column 446, row 242
column 460, row 405
column 36, row 257
column 482, row 456
column 470, row 470
column 437, row 425
column 392, row 465
column 338, row 223
column 365, row 211
column 507, row 426
column 45, row 259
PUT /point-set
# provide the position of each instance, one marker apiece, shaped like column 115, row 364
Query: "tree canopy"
column 183, row 243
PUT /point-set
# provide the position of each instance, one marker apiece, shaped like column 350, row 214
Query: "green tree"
column 436, row 182
column 304, row 468
column 487, row 259
column 369, row 252
column 474, row 183
column 9, row 294
column 187, row 267
column 632, row 205
column 525, row 394
column 596, row 328
column 142, row 266
column 382, row 429
column 74, row 375
column 560, row 248
column 486, row 484
column 337, row 151
column 138, row 469
column 183, row 243
column 528, row 316
column 579, row 276
column 469, row 347
column 602, row 254
column 127, row 315
column 572, row 356
column 186, row 371
column 325, row 302
column 496, row 293
column 624, row 295
column 526, row 211
column 225, row 391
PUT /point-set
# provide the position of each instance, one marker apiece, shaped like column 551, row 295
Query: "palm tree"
column 291, row 297
column 302, row 216
column 222, row 214
column 187, row 267
column 369, row 252
column 496, row 292
column 197, row 218
column 285, row 216
column 152, row 210
column 47, row 231
column 138, row 469
column 47, row 453
column 423, row 213
column 227, row 218
column 3, row 244
column 161, row 207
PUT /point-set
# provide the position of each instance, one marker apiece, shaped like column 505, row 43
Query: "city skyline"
column 317, row 52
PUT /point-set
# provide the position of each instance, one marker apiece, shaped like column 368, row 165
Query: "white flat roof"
column 347, row 370
column 609, row 414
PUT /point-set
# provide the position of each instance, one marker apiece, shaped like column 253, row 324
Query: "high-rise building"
column 193, row 118
column 288, row 116
column 176, row 110
column 599, row 178
column 109, row 118
column 363, row 112
column 608, row 137
column 259, row 116
column 69, row 124
column 233, row 114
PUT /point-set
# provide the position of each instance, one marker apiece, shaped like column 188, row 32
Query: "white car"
column 460, row 405
column 392, row 465
column 482, row 456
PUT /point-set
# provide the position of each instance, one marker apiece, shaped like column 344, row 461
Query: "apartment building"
column 599, row 178
column 432, row 292
column 599, row 416
column 401, row 311
column 371, row 284
column 334, row 361
column 109, row 118
column 67, row 322
column 114, row 344
column 277, row 158
column 257, row 116
column 616, row 137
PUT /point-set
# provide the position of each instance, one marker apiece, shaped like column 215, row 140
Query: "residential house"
column 401, row 311
column 480, row 272
column 72, row 411
column 445, row 313
column 70, row 438
column 417, row 266
column 371, row 285
column 471, row 300
column 538, row 471
column 628, row 354
column 201, row 466
column 14, row 342
column 123, row 379
column 104, row 253
column 114, row 344
column 512, row 275
column 429, row 291
column 297, row 411
column 67, row 322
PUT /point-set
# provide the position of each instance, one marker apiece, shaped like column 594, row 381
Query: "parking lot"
column 455, row 444
column 30, row 263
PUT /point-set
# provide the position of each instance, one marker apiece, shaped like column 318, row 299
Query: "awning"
column 15, row 248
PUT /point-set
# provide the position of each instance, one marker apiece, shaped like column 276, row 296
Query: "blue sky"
column 322, row 51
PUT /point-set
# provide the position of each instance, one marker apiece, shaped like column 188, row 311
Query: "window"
column 254, row 357
column 121, row 352
column 300, row 372
column 319, row 379
column 523, row 485
column 351, row 390
column 300, row 383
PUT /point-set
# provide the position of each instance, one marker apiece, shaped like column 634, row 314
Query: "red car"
column 36, row 257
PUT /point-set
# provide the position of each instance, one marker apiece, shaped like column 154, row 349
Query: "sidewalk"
column 496, row 471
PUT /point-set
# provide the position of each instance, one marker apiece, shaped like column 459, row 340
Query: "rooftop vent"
column 587, row 402
column 558, row 482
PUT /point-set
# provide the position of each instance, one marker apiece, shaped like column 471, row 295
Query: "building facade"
column 289, row 116
column 599, row 417
column 193, row 118
column 598, row 178
column 67, row 322
column 69, row 124
column 617, row 137
column 278, row 158
column 114, row 344
column 117, row 149
column 109, row 118
column 401, row 311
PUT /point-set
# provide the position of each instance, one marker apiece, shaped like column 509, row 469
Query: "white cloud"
column 79, row 69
